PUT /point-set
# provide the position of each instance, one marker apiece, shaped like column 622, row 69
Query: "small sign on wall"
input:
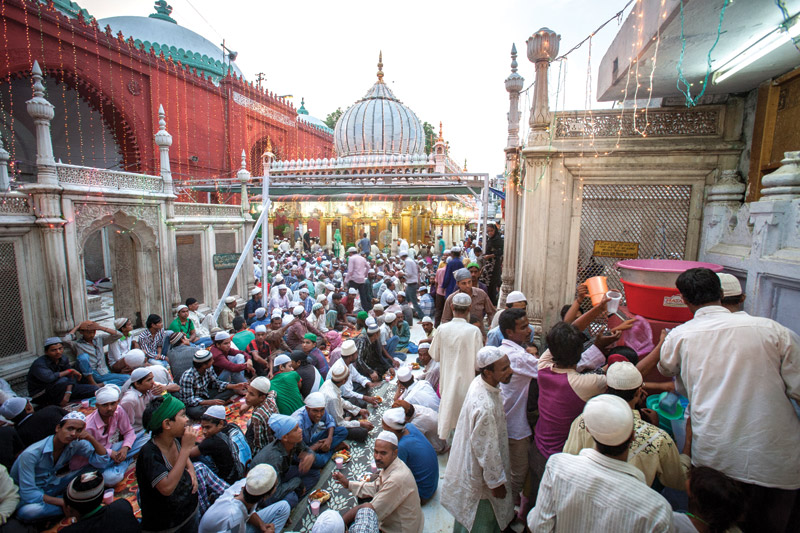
column 223, row 261
column 184, row 239
column 618, row 249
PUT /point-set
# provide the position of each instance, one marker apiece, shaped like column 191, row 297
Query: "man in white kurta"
column 455, row 347
column 478, row 470
column 417, row 392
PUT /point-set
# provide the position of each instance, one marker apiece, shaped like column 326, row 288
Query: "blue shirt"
column 420, row 457
column 36, row 473
column 449, row 281
column 310, row 430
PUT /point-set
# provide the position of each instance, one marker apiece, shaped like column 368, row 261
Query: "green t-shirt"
column 287, row 392
column 243, row 338
column 176, row 325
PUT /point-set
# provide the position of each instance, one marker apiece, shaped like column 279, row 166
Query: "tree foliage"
column 332, row 118
column 430, row 137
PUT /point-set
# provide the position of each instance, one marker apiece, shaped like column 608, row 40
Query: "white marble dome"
column 379, row 124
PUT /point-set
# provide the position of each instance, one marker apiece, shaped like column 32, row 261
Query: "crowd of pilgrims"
column 543, row 434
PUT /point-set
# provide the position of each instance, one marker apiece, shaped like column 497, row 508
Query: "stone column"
column 723, row 199
column 514, row 84
column 5, row 183
column 169, row 252
column 46, row 195
column 247, row 273
column 771, row 215
column 544, row 239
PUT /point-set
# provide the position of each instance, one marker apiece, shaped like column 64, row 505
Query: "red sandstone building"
column 107, row 79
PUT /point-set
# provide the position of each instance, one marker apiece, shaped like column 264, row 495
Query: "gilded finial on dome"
column 380, row 67
column 465, row 164
column 269, row 145
column 441, row 137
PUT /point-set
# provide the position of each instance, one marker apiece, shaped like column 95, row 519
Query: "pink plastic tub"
column 650, row 287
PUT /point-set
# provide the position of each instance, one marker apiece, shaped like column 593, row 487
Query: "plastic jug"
column 597, row 288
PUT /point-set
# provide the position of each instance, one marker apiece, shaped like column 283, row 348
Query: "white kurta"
column 455, row 347
column 479, row 459
column 421, row 393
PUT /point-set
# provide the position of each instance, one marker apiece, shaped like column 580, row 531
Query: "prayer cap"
column 12, row 407
column 216, row 411
column 201, row 356
column 329, row 522
column 139, row 373
column 730, row 285
column 261, row 384
column 424, row 346
column 515, row 296
column 422, row 288
column 298, row 310
column 455, row 249
column 316, row 306
column 282, row 287
column 279, row 278
column 260, row 312
column 330, row 286
column 377, row 307
column 315, row 400
column 349, row 347
column 609, row 419
column 339, row 370
column 261, row 479
column 108, row 393
column 256, row 290
column 86, row 487
column 388, row 318
column 473, row 264
column 119, row 323
column 135, row 358
column 221, row 336
column 372, row 328
column 395, row 418
column 616, row 358
column 277, row 313
column 426, row 320
column 51, row 341
column 623, row 376
column 404, row 374
column 371, row 271
column 462, row 274
column 303, row 289
column 352, row 290
column 230, row 299
column 310, row 336
column 74, row 415
column 261, row 328
column 390, row 298
column 388, row 436
column 178, row 309
column 362, row 315
column 403, row 253
column 281, row 425
column 176, row 338
column 281, row 359
column 462, row 299
column 488, row 355
column 352, row 250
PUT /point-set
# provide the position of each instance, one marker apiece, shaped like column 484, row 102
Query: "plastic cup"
column 597, row 288
column 85, row 404
column 613, row 304
column 315, row 508
column 373, row 467
column 108, row 496
column 339, row 463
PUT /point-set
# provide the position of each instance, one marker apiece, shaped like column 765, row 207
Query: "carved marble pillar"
column 247, row 273
column 169, row 252
column 514, row 84
column 723, row 199
column 770, row 215
column 784, row 183
column 46, row 194
column 542, row 49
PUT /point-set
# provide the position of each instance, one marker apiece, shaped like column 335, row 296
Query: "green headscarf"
column 168, row 409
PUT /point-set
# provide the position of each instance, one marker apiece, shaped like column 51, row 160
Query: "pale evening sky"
column 446, row 60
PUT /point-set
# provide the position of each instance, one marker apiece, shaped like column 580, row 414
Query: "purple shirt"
column 119, row 429
column 559, row 406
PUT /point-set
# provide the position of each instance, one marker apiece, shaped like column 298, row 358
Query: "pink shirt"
column 119, row 428
column 357, row 268
column 440, row 281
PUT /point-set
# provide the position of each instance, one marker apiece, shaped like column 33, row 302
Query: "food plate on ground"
column 344, row 454
column 380, row 400
column 366, row 476
column 414, row 366
column 320, row 496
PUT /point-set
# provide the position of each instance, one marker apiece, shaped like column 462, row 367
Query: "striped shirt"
column 592, row 492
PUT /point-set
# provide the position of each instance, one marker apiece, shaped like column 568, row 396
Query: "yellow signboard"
column 621, row 250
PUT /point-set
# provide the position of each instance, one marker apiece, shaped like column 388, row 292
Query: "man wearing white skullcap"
column 577, row 489
column 298, row 329
column 480, row 305
column 31, row 426
column 119, row 348
column 417, row 392
column 311, row 418
column 455, row 347
column 223, row 444
column 652, row 449
column 137, row 394
column 356, row 386
column 39, row 470
column 478, row 470
column 228, row 313
column 394, row 493
column 514, row 300
column 732, row 295
column 344, row 413
column 252, row 304
column 235, row 511
column 262, row 399
column 415, row 451
column 453, row 264
column 111, row 427
column 331, row 522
